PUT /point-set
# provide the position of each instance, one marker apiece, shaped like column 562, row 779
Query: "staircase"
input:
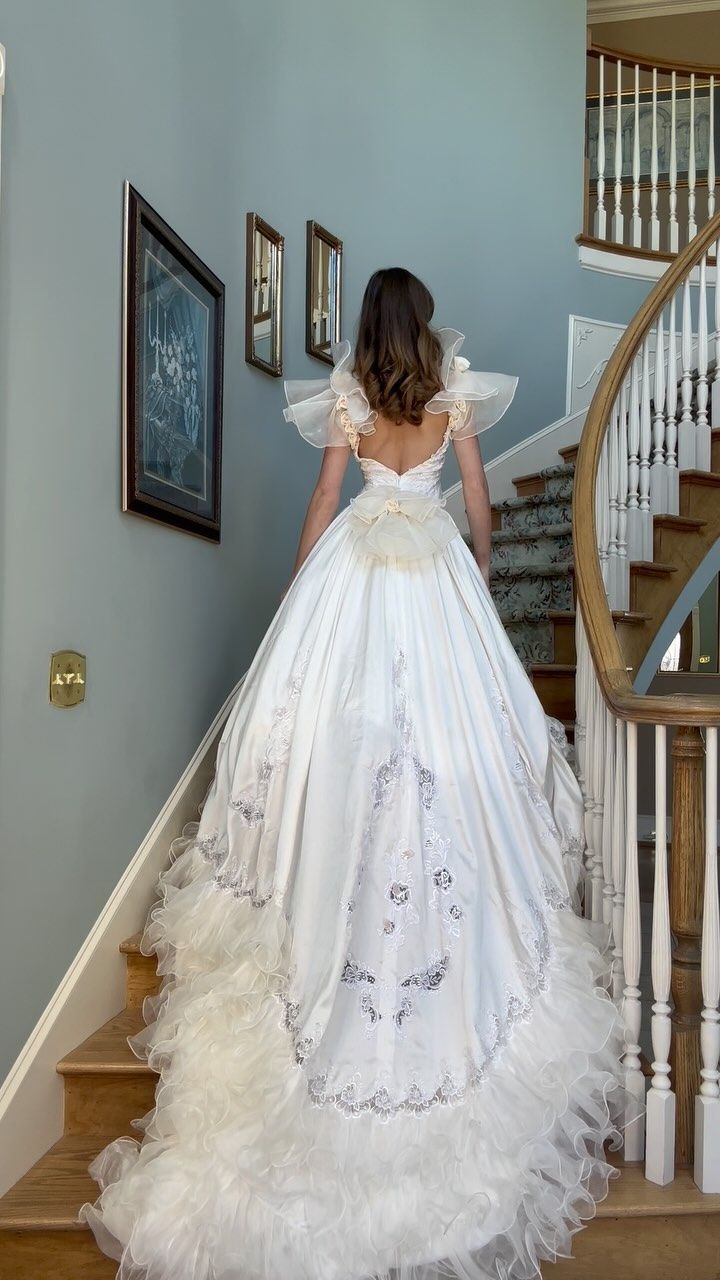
column 106, row 1086
column 532, row 577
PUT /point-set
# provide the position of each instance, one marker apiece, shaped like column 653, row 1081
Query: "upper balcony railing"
column 652, row 143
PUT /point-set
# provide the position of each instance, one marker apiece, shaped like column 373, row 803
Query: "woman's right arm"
column 477, row 500
column 324, row 502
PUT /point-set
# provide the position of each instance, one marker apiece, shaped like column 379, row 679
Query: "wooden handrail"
column 630, row 59
column 602, row 641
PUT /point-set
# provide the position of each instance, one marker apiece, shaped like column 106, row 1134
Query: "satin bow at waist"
column 390, row 521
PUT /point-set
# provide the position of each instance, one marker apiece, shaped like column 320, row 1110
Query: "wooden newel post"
column 686, row 896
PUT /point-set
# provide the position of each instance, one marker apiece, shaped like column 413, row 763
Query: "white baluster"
column 599, row 748
column 609, row 802
column 632, row 1008
column 636, row 218
column 716, row 341
column 692, row 224
column 619, row 852
column 645, row 447
column 634, row 521
column 658, row 486
column 654, row 221
column 673, row 231
column 702, row 426
column 707, row 1105
column 686, row 430
column 617, row 222
column 602, row 514
column 671, row 432
column 600, row 212
column 711, row 152
column 613, row 485
column 623, row 569
column 660, row 1136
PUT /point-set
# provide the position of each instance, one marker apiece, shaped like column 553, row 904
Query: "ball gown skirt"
column 383, row 1036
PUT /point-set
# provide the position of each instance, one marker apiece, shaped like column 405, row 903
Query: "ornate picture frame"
column 264, row 296
column 172, row 376
column 323, row 291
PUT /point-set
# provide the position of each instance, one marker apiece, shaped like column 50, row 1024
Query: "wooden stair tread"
column 50, row 1194
column 107, row 1050
column 131, row 946
column 708, row 478
column 681, row 523
column 631, row 1195
column 652, row 567
column 569, row 453
column 618, row 615
column 553, row 668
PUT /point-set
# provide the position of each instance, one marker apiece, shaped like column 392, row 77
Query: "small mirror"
column 696, row 647
column 323, row 292
column 263, row 287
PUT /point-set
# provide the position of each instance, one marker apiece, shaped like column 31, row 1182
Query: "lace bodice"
column 424, row 477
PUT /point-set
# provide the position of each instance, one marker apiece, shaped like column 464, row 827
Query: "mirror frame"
column 316, row 232
column 257, row 224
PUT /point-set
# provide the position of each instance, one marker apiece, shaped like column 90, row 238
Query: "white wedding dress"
column 384, row 1043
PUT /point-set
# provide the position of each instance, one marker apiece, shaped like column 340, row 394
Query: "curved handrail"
column 630, row 59
column 602, row 641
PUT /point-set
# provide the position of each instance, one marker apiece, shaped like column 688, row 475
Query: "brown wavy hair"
column 398, row 357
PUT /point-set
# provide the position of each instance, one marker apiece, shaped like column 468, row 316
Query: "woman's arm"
column 323, row 504
column 477, row 500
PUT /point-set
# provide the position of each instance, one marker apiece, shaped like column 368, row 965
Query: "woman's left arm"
column 324, row 502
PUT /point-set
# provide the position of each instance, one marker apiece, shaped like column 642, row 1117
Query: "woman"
column 382, row 1044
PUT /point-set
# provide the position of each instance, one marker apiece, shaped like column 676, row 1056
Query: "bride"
column 383, row 1038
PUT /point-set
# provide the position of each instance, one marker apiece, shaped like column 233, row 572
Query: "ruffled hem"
column 239, row 1173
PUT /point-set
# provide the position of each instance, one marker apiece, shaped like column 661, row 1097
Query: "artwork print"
column 173, row 377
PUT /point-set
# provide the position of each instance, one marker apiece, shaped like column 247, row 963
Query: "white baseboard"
column 524, row 458
column 93, row 989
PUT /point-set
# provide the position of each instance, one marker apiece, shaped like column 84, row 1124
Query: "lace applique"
column 251, row 805
column 399, row 894
column 346, row 422
column 456, row 416
column 520, row 772
column 429, row 978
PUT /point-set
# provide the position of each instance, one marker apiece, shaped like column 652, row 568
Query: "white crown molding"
column 616, row 11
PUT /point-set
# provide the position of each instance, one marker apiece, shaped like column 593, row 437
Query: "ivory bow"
column 396, row 522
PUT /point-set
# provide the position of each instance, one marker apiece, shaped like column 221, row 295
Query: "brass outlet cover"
column 67, row 678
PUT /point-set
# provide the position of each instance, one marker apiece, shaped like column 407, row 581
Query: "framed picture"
column 323, row 292
column 702, row 129
column 173, row 324
column 264, row 296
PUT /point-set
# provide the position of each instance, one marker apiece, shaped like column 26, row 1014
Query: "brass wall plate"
column 67, row 678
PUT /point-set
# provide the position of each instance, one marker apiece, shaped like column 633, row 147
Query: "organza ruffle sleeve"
column 482, row 398
column 330, row 411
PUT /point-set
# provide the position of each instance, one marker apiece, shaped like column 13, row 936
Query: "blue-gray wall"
column 445, row 137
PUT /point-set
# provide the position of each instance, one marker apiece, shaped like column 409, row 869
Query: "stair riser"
column 560, row 487
column 643, row 592
column 53, row 1255
column 105, row 1102
column 532, row 641
column 564, row 642
column 526, row 519
column 548, row 593
column 142, row 979
column 533, row 551
column 557, row 695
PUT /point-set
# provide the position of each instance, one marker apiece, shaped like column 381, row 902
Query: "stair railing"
column 639, row 434
column 651, row 132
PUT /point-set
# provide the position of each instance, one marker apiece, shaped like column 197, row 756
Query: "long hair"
column 398, row 356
